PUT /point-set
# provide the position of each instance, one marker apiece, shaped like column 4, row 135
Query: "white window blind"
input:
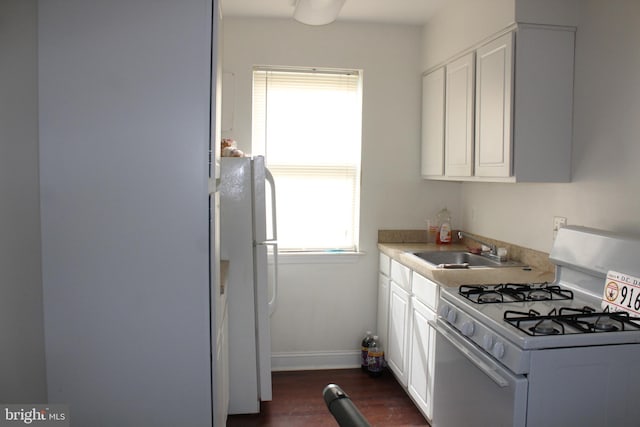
column 307, row 123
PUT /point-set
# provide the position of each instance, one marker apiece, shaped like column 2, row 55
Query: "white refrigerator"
column 248, row 241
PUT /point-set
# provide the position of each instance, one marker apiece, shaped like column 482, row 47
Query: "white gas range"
column 542, row 354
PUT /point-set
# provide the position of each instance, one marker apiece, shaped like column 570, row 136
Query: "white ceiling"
column 415, row 12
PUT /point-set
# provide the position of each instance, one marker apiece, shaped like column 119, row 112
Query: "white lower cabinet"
column 397, row 348
column 383, row 310
column 382, row 324
column 407, row 301
column 421, row 350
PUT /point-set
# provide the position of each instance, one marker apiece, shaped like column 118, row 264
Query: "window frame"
column 260, row 146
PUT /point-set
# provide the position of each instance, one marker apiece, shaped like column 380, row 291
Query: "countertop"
column 402, row 252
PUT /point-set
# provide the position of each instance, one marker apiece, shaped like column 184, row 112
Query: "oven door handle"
column 484, row 367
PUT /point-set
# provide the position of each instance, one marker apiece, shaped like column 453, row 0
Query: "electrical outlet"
column 558, row 223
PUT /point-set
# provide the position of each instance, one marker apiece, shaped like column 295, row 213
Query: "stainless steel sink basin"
column 461, row 259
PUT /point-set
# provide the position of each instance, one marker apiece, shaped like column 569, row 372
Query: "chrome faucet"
column 492, row 247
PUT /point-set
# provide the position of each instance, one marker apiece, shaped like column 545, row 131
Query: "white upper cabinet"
column 508, row 109
column 459, row 116
column 433, row 123
column 494, row 72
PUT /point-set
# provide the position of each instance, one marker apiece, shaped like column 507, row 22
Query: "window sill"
column 346, row 257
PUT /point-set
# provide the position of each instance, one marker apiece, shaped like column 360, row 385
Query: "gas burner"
column 490, row 297
column 545, row 327
column 605, row 324
column 539, row 295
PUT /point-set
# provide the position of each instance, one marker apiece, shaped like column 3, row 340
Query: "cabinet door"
column 494, row 76
column 383, row 309
column 421, row 351
column 459, row 116
column 432, row 163
column 397, row 351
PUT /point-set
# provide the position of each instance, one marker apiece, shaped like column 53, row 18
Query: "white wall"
column 550, row 12
column 324, row 308
column 22, row 365
column 605, row 174
column 460, row 24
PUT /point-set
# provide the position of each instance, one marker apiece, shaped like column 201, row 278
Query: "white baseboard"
column 311, row 360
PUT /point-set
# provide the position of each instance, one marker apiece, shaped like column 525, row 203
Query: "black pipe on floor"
column 342, row 408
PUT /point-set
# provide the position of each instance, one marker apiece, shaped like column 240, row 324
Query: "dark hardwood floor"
column 298, row 401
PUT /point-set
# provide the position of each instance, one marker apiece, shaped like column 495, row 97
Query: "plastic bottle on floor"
column 364, row 352
column 376, row 357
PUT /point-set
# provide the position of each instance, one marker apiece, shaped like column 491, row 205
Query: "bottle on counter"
column 443, row 219
column 364, row 353
column 376, row 357
column 432, row 230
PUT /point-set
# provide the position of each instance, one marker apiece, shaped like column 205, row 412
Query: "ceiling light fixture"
column 317, row 12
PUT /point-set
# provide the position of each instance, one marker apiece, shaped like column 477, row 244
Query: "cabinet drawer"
column 425, row 290
column 385, row 264
column 401, row 275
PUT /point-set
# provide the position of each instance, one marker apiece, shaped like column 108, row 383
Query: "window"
column 307, row 123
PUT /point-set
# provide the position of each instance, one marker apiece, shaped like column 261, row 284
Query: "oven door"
column 471, row 388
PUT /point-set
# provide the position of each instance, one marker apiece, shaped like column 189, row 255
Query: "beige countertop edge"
column 401, row 252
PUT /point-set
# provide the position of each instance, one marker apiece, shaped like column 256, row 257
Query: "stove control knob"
column 451, row 316
column 444, row 311
column 498, row 350
column 487, row 342
column 467, row 328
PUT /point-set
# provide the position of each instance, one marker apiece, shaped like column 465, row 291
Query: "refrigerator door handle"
column 272, row 183
column 274, row 295
column 273, row 241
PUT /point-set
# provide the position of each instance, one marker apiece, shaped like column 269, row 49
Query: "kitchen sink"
column 462, row 259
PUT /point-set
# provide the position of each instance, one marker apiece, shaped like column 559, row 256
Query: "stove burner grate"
column 582, row 320
column 544, row 325
column 513, row 292
column 606, row 321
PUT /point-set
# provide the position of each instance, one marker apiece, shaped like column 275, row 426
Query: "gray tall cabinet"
column 125, row 122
